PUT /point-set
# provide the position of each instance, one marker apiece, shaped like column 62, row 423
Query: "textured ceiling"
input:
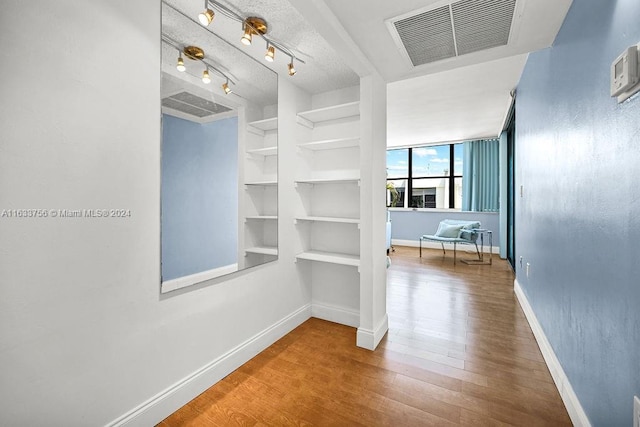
column 323, row 69
column 249, row 79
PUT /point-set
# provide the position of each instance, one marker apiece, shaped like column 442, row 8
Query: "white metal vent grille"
column 427, row 37
column 482, row 24
column 455, row 29
column 193, row 105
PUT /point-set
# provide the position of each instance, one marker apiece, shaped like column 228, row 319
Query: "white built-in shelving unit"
column 328, row 183
column 330, row 257
column 260, row 226
column 262, row 250
column 261, row 217
column 329, row 219
column 260, row 127
column 312, row 117
column 330, row 144
column 268, row 151
column 261, row 183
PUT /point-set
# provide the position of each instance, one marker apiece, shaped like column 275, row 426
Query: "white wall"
column 86, row 336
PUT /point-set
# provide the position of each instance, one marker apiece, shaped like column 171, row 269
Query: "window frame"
column 408, row 193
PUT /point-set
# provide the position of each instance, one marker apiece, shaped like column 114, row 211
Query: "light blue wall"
column 408, row 224
column 578, row 223
column 199, row 195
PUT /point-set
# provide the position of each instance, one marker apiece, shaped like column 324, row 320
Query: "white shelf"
column 309, row 118
column 262, row 183
column 268, row 151
column 331, row 144
column 265, row 125
column 329, row 219
column 262, row 250
column 328, row 181
column 330, row 257
column 261, row 217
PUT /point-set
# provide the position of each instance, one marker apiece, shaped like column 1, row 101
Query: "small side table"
column 481, row 260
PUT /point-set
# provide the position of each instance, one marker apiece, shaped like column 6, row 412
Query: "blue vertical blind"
column 480, row 186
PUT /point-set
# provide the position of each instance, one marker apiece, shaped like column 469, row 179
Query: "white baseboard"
column 168, row 401
column 335, row 314
column 370, row 339
column 569, row 397
column 448, row 246
column 192, row 279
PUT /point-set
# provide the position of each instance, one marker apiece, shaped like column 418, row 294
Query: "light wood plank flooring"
column 458, row 352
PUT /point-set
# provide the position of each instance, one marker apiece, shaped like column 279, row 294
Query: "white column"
column 373, row 275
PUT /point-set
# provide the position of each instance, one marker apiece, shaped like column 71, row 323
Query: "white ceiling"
column 461, row 104
column 535, row 22
column 454, row 99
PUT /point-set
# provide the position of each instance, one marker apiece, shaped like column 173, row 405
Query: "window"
column 431, row 175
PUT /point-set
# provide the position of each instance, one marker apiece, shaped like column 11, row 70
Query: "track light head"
column 206, row 17
column 292, row 68
column 253, row 25
column 205, row 76
column 271, row 53
column 226, row 88
column 180, row 66
column 246, row 38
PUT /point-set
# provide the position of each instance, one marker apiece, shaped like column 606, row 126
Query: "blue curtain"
column 480, row 182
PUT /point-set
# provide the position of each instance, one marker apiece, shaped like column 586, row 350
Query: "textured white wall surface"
column 86, row 336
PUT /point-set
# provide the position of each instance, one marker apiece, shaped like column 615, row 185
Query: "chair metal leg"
column 454, row 253
column 421, row 247
column 478, row 251
column 443, row 251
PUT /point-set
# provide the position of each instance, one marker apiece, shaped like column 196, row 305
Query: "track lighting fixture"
column 226, row 88
column 271, row 53
column 246, row 37
column 205, row 76
column 207, row 15
column 251, row 26
column 180, row 65
column 292, row 68
column 195, row 53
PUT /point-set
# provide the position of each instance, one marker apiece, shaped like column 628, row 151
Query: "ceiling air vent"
column 193, row 105
column 452, row 30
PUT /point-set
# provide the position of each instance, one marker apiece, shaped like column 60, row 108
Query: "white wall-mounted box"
column 624, row 81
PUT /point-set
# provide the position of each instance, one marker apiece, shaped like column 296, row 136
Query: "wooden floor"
column 458, row 352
